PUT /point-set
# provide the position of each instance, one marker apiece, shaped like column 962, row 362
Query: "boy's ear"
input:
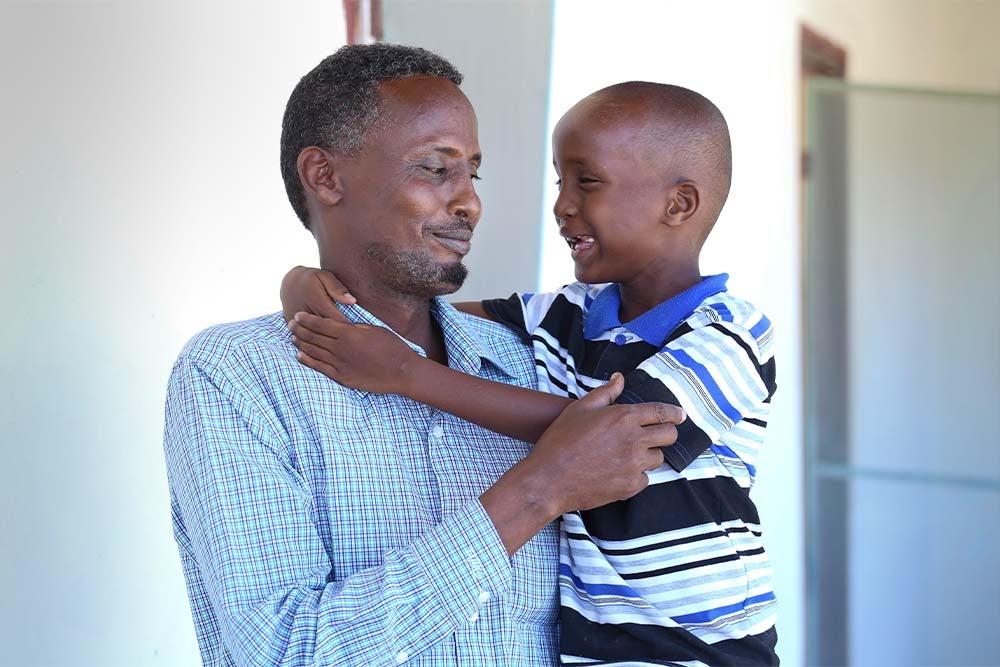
column 318, row 176
column 683, row 204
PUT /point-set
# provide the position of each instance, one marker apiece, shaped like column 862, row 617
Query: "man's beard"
column 415, row 272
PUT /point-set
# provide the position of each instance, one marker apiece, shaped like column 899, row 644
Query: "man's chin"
column 417, row 272
column 453, row 276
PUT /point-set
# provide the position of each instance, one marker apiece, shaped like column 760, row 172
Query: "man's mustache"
column 456, row 225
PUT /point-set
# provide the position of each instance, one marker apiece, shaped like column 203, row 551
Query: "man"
column 325, row 526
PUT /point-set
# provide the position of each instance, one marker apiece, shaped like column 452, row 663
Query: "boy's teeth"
column 574, row 240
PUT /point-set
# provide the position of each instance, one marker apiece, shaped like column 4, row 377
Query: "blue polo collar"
column 654, row 325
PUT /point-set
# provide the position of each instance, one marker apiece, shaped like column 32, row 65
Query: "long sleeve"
column 249, row 522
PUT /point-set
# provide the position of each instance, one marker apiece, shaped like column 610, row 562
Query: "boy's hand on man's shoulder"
column 309, row 290
column 359, row 356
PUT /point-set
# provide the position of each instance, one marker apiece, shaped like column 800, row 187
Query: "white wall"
column 742, row 56
column 140, row 201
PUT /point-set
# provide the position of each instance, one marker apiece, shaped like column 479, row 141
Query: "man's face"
column 409, row 204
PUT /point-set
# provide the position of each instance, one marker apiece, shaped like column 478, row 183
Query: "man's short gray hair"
column 335, row 104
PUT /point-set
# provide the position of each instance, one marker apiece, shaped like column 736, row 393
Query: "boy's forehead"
column 594, row 121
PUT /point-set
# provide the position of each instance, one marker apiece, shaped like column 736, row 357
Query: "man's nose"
column 465, row 205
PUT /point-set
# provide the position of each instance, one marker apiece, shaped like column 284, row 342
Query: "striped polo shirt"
column 676, row 574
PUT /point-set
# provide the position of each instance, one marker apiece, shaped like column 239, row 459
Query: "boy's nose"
column 563, row 208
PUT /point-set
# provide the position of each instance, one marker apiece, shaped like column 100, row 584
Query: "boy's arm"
column 376, row 360
column 474, row 308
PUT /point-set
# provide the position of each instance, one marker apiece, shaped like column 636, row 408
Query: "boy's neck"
column 643, row 296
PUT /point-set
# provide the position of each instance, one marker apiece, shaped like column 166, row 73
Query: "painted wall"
column 140, row 201
column 916, row 43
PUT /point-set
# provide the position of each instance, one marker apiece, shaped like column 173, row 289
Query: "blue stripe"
column 597, row 589
column 722, row 450
column 526, row 297
column 708, row 382
column 722, row 310
column 760, row 327
column 712, row 614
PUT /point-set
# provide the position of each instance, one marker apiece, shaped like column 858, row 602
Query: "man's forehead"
column 431, row 113
column 420, row 93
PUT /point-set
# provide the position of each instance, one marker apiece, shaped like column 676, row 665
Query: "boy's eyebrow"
column 477, row 158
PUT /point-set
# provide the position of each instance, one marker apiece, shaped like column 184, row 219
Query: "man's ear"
column 683, row 203
column 318, row 176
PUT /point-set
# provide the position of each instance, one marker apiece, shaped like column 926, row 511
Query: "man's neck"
column 408, row 316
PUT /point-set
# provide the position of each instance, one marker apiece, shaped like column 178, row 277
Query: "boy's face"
column 612, row 195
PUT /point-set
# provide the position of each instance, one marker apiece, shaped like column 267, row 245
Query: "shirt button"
column 402, row 657
column 437, row 431
column 474, row 617
column 621, row 339
column 484, row 597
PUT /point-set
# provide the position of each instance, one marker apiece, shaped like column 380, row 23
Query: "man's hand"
column 313, row 291
column 594, row 453
column 359, row 356
column 597, row 452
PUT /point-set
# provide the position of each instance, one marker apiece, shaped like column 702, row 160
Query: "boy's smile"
column 579, row 245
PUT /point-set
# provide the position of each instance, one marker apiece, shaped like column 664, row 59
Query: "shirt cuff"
column 468, row 554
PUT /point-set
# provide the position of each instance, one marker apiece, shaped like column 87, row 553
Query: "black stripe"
column 509, row 313
column 694, row 565
column 672, row 505
column 756, row 422
column 659, row 645
column 700, row 537
column 552, row 379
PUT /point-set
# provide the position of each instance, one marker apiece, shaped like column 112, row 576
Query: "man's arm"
column 253, row 531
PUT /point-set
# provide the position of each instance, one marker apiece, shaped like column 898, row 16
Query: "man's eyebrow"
column 454, row 152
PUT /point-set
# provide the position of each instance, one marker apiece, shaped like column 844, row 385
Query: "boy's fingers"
column 315, row 351
column 320, row 367
column 335, row 289
column 325, row 326
column 301, row 333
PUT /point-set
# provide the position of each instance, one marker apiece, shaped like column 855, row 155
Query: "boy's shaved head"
column 680, row 129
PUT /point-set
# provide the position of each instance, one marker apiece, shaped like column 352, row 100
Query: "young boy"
column 677, row 574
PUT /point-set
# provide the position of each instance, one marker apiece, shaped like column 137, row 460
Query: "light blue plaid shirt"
column 319, row 525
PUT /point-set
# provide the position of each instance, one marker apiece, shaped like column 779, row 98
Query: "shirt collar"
column 465, row 350
column 654, row 325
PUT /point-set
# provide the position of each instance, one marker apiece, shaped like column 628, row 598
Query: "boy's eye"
column 476, row 176
column 584, row 180
column 436, row 171
column 559, row 184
